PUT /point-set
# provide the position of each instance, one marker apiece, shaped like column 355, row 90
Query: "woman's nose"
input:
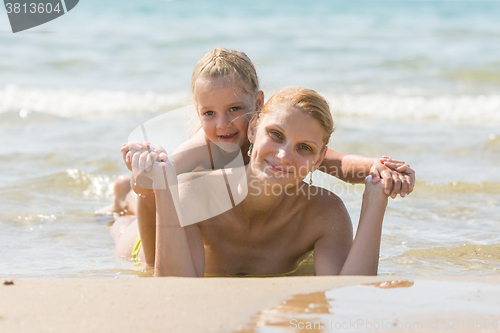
column 284, row 153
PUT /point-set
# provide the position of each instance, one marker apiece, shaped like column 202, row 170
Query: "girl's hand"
column 125, row 150
column 130, row 149
column 397, row 175
column 140, row 156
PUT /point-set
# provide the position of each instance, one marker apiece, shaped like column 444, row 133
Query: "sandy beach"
column 223, row 304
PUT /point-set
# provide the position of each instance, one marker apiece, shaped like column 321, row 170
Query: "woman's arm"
column 179, row 250
column 355, row 168
column 335, row 253
column 364, row 254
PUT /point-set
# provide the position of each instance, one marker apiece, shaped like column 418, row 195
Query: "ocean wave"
column 458, row 187
column 493, row 143
column 464, row 251
column 461, row 108
column 478, row 75
column 93, row 186
column 71, row 183
column 81, row 103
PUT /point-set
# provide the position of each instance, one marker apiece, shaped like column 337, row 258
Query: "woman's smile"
column 276, row 168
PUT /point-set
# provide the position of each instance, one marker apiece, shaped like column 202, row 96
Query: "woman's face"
column 287, row 146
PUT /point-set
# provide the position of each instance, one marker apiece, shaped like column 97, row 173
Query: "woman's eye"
column 305, row 147
column 235, row 108
column 275, row 134
column 209, row 113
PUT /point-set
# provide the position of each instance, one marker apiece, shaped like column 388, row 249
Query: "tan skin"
column 224, row 109
column 271, row 234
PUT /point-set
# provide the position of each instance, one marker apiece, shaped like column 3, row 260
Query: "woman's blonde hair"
column 220, row 63
column 307, row 100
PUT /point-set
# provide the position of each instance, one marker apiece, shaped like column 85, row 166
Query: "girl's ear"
column 252, row 128
column 259, row 101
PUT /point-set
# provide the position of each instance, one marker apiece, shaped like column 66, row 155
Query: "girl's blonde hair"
column 227, row 63
column 306, row 100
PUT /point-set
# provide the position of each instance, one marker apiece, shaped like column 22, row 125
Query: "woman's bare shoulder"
column 326, row 207
column 321, row 198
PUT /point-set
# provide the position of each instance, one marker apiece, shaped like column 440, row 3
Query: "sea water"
column 415, row 80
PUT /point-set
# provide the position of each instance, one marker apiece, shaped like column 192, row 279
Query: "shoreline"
column 175, row 304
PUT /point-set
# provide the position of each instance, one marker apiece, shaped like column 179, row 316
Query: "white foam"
column 462, row 108
column 83, row 103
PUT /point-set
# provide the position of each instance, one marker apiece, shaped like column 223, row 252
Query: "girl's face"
column 224, row 110
column 288, row 144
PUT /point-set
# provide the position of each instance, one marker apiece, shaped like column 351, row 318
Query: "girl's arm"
column 355, row 168
column 335, row 253
column 137, row 156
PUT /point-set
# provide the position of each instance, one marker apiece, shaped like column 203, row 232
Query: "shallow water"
column 398, row 305
column 415, row 80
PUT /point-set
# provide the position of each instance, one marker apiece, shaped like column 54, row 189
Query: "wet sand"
column 225, row 304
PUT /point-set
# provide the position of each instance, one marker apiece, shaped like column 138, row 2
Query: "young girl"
column 226, row 93
column 270, row 231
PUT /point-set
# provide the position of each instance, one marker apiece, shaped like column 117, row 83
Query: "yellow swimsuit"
column 305, row 267
column 137, row 248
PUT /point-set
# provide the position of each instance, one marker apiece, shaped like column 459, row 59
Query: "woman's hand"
column 397, row 176
column 375, row 192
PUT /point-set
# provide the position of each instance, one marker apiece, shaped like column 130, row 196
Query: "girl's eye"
column 235, row 108
column 209, row 113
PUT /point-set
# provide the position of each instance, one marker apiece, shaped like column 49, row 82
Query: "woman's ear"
column 252, row 128
column 259, row 100
column 321, row 158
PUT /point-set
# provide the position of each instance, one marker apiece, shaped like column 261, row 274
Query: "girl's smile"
column 230, row 137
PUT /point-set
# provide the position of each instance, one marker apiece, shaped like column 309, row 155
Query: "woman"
column 281, row 220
